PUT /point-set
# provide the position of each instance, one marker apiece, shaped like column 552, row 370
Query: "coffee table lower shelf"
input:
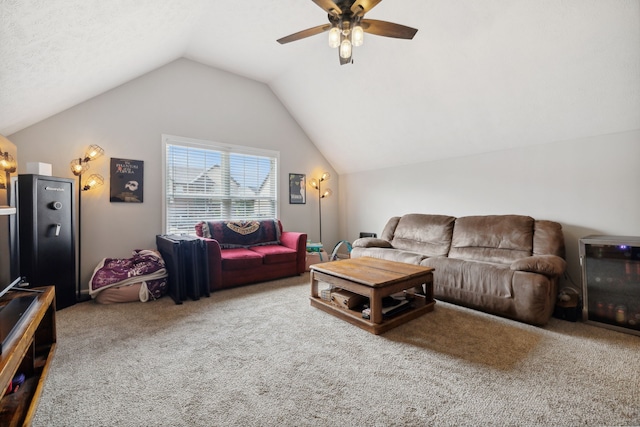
column 355, row 317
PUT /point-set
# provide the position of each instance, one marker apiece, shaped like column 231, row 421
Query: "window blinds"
column 205, row 181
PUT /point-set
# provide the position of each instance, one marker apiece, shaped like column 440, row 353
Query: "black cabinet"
column 46, row 217
column 611, row 282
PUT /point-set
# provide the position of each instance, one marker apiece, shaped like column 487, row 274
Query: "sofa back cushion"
column 241, row 234
column 390, row 228
column 426, row 234
column 492, row 238
column 548, row 239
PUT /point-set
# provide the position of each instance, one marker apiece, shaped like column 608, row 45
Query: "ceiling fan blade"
column 388, row 29
column 304, row 33
column 360, row 7
column 328, row 6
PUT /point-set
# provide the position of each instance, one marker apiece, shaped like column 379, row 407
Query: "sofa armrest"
column 214, row 263
column 298, row 242
column 371, row 242
column 549, row 265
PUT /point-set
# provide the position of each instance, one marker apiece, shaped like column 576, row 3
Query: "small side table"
column 316, row 258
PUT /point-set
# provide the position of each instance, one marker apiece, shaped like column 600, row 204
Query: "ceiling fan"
column 347, row 26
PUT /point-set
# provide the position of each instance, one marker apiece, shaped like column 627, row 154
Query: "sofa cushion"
column 240, row 258
column 492, row 238
column 241, row 234
column 388, row 254
column 548, row 238
column 472, row 278
column 429, row 235
column 390, row 228
column 275, row 254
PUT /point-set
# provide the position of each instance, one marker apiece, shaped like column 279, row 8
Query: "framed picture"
column 297, row 189
column 127, row 181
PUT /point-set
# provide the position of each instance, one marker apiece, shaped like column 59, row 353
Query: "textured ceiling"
column 480, row 75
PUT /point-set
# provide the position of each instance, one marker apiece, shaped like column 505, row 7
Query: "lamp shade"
column 8, row 163
column 78, row 166
column 357, row 35
column 334, row 37
column 94, row 181
column 93, row 153
column 345, row 49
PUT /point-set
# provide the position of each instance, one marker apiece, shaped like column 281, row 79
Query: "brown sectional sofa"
column 243, row 252
column 508, row 265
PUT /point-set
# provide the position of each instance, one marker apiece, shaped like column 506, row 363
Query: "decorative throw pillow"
column 201, row 229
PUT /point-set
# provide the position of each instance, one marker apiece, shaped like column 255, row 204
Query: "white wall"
column 590, row 186
column 183, row 98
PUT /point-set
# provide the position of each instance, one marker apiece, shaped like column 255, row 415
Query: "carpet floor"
column 260, row 355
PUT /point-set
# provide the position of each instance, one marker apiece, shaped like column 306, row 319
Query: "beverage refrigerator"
column 611, row 282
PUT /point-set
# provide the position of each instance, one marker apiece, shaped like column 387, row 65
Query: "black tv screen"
column 9, row 251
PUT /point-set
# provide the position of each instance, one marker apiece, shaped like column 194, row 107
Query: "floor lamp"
column 78, row 167
column 316, row 184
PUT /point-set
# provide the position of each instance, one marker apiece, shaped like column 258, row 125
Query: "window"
column 206, row 181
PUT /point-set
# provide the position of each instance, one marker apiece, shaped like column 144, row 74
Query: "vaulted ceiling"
column 480, row 75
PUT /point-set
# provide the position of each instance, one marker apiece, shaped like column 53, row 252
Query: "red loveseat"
column 250, row 251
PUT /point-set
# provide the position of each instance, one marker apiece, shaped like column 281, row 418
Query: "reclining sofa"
column 243, row 252
column 507, row 265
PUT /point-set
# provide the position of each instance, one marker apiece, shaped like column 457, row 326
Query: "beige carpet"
column 259, row 355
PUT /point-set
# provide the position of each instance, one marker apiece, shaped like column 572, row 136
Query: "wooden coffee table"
column 375, row 279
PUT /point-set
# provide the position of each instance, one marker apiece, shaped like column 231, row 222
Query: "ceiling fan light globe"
column 345, row 49
column 334, row 37
column 357, row 36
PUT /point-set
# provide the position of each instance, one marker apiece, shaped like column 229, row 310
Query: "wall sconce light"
column 8, row 165
column 316, row 184
column 78, row 167
column 7, row 162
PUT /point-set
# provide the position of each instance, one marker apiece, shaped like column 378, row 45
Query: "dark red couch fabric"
column 240, row 266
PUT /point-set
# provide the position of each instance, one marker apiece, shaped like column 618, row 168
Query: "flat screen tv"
column 9, row 246
column 12, row 313
column 9, row 261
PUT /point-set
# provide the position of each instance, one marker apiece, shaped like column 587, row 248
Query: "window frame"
column 213, row 146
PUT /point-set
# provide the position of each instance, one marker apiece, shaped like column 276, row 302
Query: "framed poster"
column 127, row 181
column 297, row 189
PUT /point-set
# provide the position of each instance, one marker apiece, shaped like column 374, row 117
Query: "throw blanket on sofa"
column 242, row 234
column 145, row 266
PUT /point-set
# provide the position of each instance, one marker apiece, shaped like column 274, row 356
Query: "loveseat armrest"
column 371, row 242
column 549, row 265
column 298, row 242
